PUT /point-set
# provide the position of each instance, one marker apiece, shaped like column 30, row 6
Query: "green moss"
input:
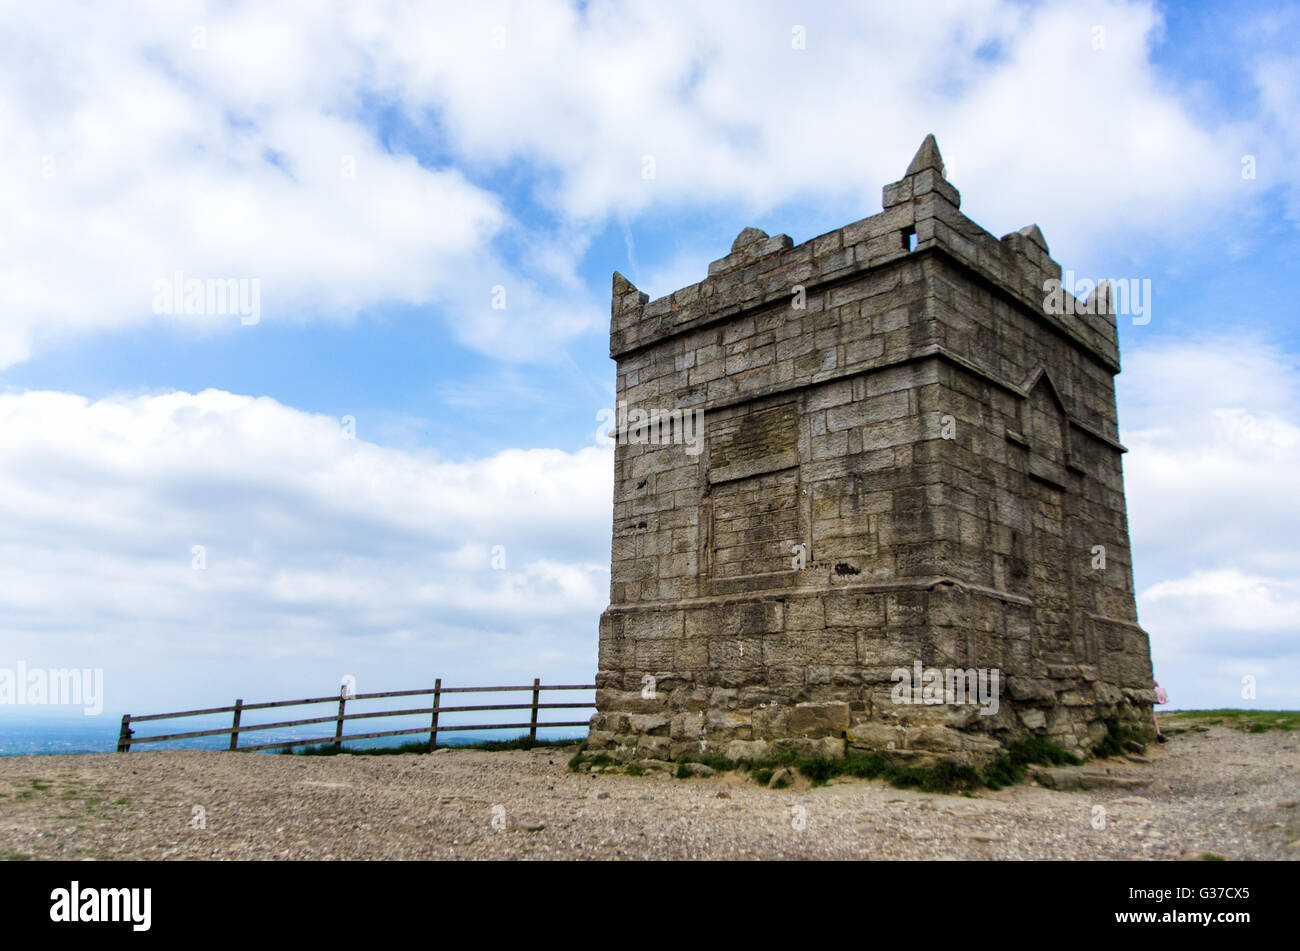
column 718, row 763
column 1002, row 772
column 818, row 769
column 777, row 759
column 864, row 767
column 1116, row 741
column 1211, row 857
column 942, row 777
column 1010, row 768
column 1040, row 752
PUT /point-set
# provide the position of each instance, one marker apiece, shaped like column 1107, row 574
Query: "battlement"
column 921, row 216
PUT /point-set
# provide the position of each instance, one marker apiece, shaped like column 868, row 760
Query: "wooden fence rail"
column 126, row 738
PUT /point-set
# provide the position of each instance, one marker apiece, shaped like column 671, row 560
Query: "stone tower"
column 850, row 467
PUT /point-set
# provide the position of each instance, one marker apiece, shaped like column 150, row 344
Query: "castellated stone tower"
column 907, row 469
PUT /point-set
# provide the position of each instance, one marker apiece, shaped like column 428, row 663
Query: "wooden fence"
column 126, row 738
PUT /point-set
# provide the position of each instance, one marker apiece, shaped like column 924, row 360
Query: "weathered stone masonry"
column 945, row 451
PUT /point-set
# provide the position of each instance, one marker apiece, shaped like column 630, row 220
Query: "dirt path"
column 1222, row 792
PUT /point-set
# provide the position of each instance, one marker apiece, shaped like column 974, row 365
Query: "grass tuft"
column 1116, row 741
column 943, row 777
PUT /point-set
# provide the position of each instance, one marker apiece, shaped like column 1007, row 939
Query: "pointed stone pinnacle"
column 747, row 237
column 927, row 156
column 1101, row 300
column 1035, row 234
column 622, row 285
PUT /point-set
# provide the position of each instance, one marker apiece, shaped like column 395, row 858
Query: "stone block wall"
column 905, row 461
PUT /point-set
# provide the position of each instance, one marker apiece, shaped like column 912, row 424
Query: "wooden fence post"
column 234, row 730
column 338, row 729
column 532, row 730
column 433, row 727
column 124, row 736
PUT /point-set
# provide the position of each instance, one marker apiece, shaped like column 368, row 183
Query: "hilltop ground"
column 1213, row 791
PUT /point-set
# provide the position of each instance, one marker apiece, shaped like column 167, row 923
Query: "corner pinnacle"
column 927, row 156
column 622, row 285
column 1035, row 234
column 748, row 237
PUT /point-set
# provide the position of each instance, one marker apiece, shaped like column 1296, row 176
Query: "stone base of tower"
column 918, row 673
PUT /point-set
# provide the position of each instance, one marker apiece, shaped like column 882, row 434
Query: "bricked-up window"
column 1046, row 429
column 754, row 475
column 755, row 522
column 751, row 440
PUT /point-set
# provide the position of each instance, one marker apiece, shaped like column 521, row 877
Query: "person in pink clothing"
column 1161, row 697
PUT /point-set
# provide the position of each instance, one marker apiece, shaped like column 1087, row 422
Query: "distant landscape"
column 68, row 735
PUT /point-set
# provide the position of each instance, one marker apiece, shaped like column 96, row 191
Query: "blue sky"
column 498, row 145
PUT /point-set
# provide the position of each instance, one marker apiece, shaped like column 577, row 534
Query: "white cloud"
column 327, row 555
column 133, row 156
column 1036, row 122
column 225, row 161
column 324, row 555
column 1214, row 445
column 1230, row 600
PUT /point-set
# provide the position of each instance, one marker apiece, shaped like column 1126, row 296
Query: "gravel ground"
column 1224, row 792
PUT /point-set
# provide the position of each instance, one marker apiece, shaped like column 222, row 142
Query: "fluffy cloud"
column 230, row 143
column 213, row 139
column 326, row 555
column 1214, row 448
column 321, row 555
